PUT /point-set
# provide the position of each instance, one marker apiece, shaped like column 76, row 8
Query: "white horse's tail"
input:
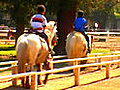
column 21, row 52
column 76, row 45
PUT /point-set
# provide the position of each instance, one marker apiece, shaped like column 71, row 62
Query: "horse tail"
column 21, row 52
column 76, row 45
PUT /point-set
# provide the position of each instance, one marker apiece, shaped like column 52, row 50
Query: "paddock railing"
column 75, row 67
column 96, row 57
column 76, row 72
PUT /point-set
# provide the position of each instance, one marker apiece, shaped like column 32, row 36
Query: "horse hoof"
column 45, row 82
column 41, row 85
column 27, row 86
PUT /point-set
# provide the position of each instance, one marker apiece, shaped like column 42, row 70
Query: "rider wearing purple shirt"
column 80, row 25
column 38, row 23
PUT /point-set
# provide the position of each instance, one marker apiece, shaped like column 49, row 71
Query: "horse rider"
column 80, row 25
column 38, row 23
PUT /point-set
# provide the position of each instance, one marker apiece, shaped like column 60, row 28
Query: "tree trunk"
column 19, row 31
column 65, row 19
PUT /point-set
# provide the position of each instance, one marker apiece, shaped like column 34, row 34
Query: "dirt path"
column 111, row 84
column 89, row 81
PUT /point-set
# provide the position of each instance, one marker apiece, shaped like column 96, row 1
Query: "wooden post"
column 108, row 35
column 76, row 73
column 108, row 71
column 77, row 78
column 118, row 65
column 75, row 63
column 118, row 62
column 96, row 60
column 14, row 71
column 50, row 58
column 99, row 66
column 34, row 82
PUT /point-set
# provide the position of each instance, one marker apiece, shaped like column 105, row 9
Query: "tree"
column 65, row 10
column 65, row 19
column 66, row 15
column 20, row 11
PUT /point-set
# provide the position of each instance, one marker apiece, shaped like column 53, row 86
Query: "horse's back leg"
column 21, row 69
column 39, row 79
column 47, row 67
column 29, row 69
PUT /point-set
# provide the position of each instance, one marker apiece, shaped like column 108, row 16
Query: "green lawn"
column 7, row 50
column 10, row 50
column 100, row 51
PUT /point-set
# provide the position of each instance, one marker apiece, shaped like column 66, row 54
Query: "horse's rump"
column 29, row 46
column 76, row 45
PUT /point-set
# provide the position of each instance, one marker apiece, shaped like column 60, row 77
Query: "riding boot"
column 49, row 49
column 89, row 50
column 87, row 39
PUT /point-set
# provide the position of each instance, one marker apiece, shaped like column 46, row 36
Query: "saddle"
column 40, row 38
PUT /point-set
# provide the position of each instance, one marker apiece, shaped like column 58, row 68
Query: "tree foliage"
column 65, row 10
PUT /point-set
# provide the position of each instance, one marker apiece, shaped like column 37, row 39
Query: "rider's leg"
column 87, row 39
column 43, row 35
column 48, row 44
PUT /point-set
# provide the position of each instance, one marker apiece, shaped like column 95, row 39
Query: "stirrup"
column 89, row 51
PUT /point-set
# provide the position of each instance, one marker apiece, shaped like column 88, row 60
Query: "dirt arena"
column 89, row 80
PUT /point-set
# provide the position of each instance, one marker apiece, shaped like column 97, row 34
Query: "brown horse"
column 76, row 45
column 32, row 50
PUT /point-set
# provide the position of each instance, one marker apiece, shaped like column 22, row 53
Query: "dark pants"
column 42, row 34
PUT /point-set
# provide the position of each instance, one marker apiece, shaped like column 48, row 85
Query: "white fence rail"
column 76, row 69
column 76, row 72
column 96, row 56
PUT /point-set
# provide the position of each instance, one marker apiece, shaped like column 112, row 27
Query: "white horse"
column 33, row 50
column 76, row 45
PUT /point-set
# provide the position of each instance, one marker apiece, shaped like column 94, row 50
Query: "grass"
column 117, row 15
column 7, row 50
column 100, row 51
column 11, row 53
column 10, row 50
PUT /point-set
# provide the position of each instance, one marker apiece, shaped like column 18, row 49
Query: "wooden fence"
column 106, row 40
column 102, row 40
column 75, row 67
column 76, row 72
column 107, row 36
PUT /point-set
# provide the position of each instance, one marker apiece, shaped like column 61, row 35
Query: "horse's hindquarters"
column 76, row 45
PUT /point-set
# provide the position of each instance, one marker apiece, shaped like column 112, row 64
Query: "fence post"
column 108, row 71
column 108, row 35
column 50, row 58
column 118, row 62
column 14, row 71
column 99, row 66
column 77, row 78
column 96, row 60
column 76, row 73
column 34, row 82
